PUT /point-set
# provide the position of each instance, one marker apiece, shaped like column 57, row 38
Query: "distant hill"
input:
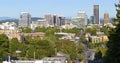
column 36, row 18
column 5, row 18
column 9, row 20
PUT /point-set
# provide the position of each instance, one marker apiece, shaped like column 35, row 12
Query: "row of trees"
column 93, row 30
column 41, row 48
column 36, row 48
column 52, row 30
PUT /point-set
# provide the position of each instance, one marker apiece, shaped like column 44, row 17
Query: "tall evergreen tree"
column 113, row 52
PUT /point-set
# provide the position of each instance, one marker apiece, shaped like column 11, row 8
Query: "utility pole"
column 62, row 45
column 55, row 50
column 9, row 58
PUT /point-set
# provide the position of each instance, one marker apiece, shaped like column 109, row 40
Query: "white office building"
column 80, row 20
column 25, row 19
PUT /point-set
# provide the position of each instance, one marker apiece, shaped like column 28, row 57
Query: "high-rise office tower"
column 96, row 14
column 48, row 19
column 106, row 18
column 61, row 20
column 25, row 19
column 92, row 20
column 54, row 20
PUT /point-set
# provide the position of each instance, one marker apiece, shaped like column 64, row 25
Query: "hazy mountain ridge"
column 5, row 18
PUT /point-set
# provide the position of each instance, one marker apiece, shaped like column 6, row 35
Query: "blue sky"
column 68, row 8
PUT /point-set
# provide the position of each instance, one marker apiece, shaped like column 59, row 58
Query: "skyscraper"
column 96, row 14
column 25, row 19
column 106, row 18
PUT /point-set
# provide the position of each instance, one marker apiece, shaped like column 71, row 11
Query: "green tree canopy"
column 41, row 48
column 4, row 46
column 40, row 29
column 105, row 30
column 92, row 30
column 14, row 45
column 27, row 30
column 70, row 48
column 73, row 30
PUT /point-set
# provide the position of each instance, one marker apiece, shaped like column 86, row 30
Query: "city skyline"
column 38, row 8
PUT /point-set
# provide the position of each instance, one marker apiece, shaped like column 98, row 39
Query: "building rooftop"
column 81, row 11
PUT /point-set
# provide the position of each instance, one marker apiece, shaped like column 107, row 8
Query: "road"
column 88, row 53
